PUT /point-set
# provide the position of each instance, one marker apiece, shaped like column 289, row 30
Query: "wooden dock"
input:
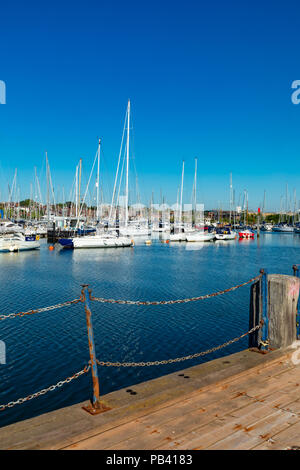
column 244, row 401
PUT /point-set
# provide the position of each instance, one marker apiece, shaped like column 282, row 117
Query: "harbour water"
column 47, row 347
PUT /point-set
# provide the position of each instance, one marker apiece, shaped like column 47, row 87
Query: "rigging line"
column 138, row 197
column 85, row 181
column 107, row 187
column 116, row 178
column 81, row 207
column 122, row 170
column 72, row 190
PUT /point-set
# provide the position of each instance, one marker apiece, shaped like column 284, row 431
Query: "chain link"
column 127, row 302
column 171, row 302
column 45, row 390
column 125, row 364
column 178, row 359
column 39, row 310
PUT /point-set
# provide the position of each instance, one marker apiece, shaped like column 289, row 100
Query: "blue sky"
column 210, row 80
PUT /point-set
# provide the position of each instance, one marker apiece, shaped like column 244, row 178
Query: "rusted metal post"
column 264, row 306
column 95, row 407
column 296, row 273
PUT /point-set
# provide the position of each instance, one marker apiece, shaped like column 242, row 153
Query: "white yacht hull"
column 200, row 237
column 287, row 229
column 177, row 237
column 226, row 236
column 101, row 242
column 14, row 244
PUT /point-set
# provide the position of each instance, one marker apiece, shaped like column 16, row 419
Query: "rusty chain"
column 39, row 310
column 179, row 359
column 124, row 364
column 45, row 390
column 127, row 302
column 171, row 302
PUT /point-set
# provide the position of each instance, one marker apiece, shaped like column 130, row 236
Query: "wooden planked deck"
column 243, row 401
column 260, row 410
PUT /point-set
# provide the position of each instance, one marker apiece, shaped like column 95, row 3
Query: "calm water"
column 45, row 348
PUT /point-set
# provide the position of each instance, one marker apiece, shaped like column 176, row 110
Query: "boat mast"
column 98, row 181
column 79, row 184
column 295, row 206
column 127, row 165
column 48, row 193
column 117, row 173
column 230, row 201
column 234, row 213
column 195, row 196
column 40, row 195
column 30, row 205
column 286, row 204
column 76, row 191
column 264, row 205
column 181, row 192
column 35, row 195
column 244, row 206
column 63, row 206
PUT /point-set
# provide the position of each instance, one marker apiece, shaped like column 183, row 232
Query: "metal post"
column 95, row 407
column 264, row 305
column 297, row 274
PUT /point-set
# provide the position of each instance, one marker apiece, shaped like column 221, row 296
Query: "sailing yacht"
column 127, row 228
column 179, row 235
column 282, row 227
column 96, row 241
column 265, row 227
column 200, row 236
column 225, row 233
column 100, row 239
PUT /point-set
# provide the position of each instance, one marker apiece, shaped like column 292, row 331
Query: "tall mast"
column 245, row 205
column 195, row 196
column 98, row 181
column 30, row 201
column 233, row 200
column 79, row 184
column 181, row 192
column 195, row 185
column 295, row 206
column 48, row 193
column 230, row 202
column 35, row 194
column 127, row 165
column 286, row 203
column 76, row 192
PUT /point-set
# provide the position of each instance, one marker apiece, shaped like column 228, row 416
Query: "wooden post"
column 283, row 293
column 297, row 274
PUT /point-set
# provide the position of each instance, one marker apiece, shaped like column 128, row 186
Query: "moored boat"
column 283, row 228
column 200, row 236
column 95, row 241
column 178, row 237
column 266, row 227
column 19, row 242
column 246, row 233
column 225, row 233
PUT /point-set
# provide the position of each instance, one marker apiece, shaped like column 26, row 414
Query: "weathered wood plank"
column 227, row 424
